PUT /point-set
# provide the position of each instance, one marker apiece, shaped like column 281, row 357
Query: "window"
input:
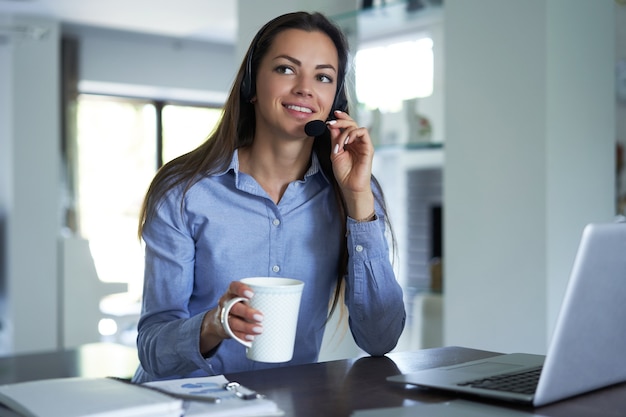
column 185, row 127
column 389, row 74
column 116, row 154
column 118, row 151
column 394, row 83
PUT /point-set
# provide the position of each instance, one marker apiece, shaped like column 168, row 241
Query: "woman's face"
column 296, row 83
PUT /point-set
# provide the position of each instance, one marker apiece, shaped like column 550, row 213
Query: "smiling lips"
column 299, row 108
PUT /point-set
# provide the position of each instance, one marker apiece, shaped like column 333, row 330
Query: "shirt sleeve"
column 168, row 337
column 373, row 295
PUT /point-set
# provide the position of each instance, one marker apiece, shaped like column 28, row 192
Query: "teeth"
column 300, row 109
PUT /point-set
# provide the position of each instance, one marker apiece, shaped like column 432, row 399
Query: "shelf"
column 392, row 18
column 411, row 146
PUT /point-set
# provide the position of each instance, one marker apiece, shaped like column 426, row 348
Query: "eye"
column 325, row 78
column 284, row 69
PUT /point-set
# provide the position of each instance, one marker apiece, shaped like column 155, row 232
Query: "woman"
column 263, row 198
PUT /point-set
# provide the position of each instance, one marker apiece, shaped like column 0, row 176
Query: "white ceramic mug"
column 279, row 301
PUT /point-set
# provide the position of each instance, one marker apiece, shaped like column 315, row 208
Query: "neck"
column 275, row 167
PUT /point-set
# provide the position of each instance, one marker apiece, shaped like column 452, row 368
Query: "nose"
column 303, row 87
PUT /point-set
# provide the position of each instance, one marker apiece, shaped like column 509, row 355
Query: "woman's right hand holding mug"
column 243, row 320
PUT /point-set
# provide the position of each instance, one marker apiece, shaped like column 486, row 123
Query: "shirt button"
column 359, row 248
column 276, row 268
column 276, row 222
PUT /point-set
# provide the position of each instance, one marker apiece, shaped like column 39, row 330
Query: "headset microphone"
column 314, row 128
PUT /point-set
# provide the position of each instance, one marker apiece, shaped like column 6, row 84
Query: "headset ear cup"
column 246, row 90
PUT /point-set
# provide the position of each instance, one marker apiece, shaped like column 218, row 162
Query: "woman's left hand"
column 352, row 155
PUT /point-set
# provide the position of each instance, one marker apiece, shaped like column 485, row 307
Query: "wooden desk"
column 338, row 388
column 328, row 389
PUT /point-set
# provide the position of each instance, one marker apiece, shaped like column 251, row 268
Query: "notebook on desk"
column 587, row 350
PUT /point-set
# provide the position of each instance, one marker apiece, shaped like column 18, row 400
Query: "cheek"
column 270, row 91
column 330, row 99
column 265, row 95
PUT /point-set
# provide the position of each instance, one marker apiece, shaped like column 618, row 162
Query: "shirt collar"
column 315, row 167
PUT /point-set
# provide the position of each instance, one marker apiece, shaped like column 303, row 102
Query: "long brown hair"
column 237, row 126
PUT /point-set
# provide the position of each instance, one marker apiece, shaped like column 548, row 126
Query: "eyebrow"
column 299, row 63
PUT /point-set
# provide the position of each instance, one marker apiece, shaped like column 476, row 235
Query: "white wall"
column 580, row 117
column 153, row 66
column 31, row 196
column 529, row 160
column 620, row 109
column 6, row 175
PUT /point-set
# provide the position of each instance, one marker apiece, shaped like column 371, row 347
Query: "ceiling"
column 212, row 20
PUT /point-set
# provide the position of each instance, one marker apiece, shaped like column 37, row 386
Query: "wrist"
column 369, row 218
column 360, row 206
column 211, row 331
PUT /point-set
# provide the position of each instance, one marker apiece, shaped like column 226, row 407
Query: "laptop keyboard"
column 521, row 382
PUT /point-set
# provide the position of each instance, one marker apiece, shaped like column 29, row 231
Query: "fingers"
column 345, row 131
column 243, row 320
column 239, row 289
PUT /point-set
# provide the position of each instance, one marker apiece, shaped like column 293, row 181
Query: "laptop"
column 588, row 347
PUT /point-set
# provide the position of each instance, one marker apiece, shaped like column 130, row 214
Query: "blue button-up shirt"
column 229, row 228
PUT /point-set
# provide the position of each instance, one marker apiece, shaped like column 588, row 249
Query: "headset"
column 248, row 87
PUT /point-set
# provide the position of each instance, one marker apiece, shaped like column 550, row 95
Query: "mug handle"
column 224, row 319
